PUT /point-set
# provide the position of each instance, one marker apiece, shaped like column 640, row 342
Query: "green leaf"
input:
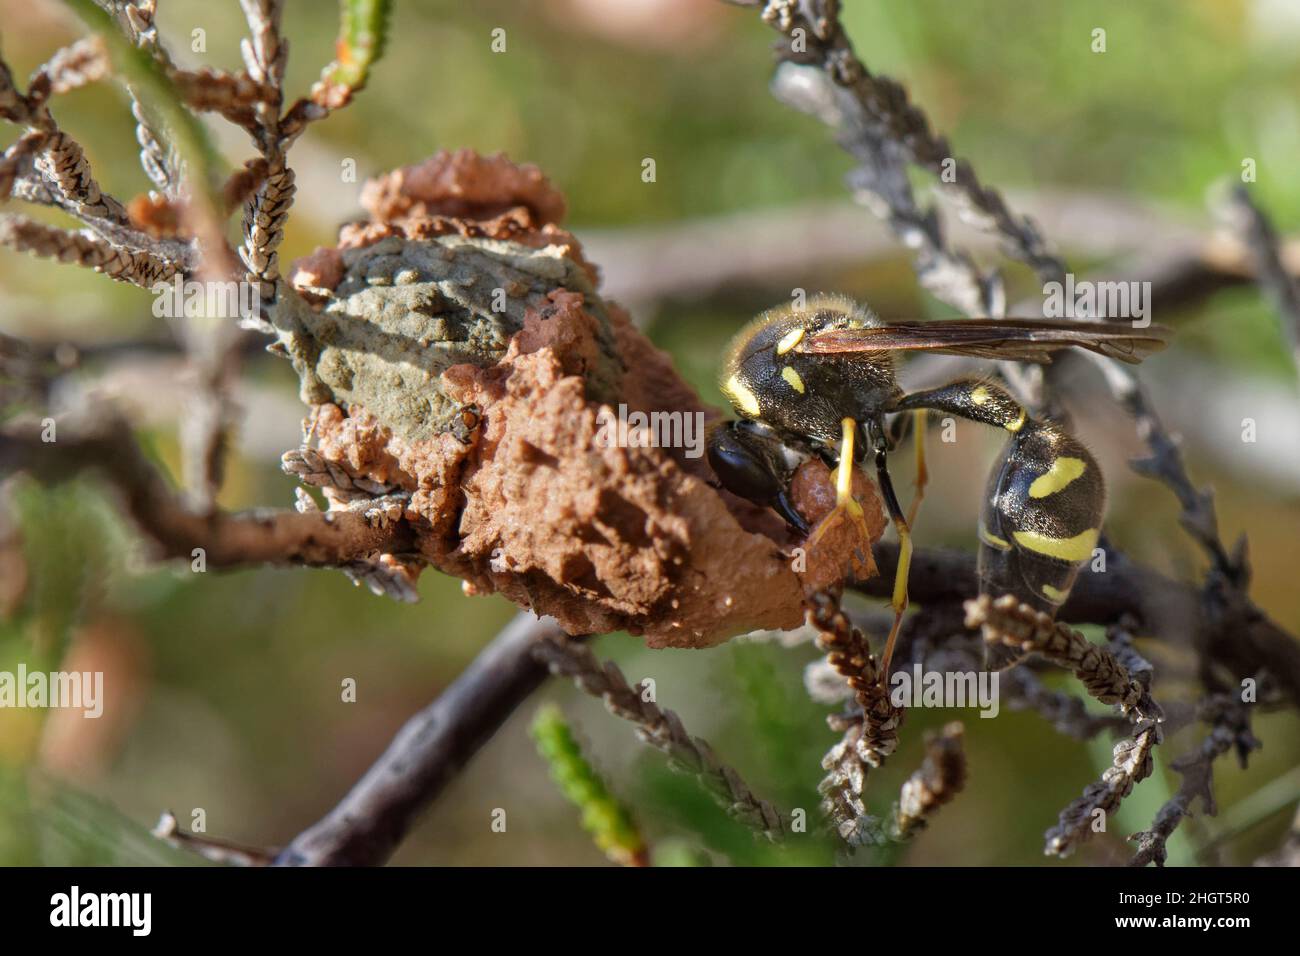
column 363, row 31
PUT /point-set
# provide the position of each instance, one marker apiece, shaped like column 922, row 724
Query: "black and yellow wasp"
column 810, row 380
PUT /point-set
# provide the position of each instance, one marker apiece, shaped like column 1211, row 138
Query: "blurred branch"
column 427, row 754
column 759, row 250
column 940, row 777
column 1257, row 232
column 1067, row 713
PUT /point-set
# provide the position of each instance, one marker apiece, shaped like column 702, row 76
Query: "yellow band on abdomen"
column 1063, row 471
column 1078, row 548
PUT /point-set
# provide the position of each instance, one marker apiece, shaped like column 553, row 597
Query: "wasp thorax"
column 768, row 378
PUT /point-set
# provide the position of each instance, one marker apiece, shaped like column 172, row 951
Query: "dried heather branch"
column 20, row 158
column 234, row 95
column 940, row 777
column 848, row 652
column 77, row 65
column 870, row 729
column 158, row 164
column 1116, row 675
column 1007, row 621
column 161, row 165
column 880, row 183
column 138, row 58
column 265, row 54
column 64, row 164
column 388, row 575
column 663, row 730
column 1230, row 730
column 609, row 822
column 264, row 218
column 843, row 788
column 1131, row 765
column 824, row 43
column 137, row 267
column 60, row 160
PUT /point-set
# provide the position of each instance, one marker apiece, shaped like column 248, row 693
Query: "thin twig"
column 218, row 851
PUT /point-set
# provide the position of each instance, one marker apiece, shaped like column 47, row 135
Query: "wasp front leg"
column 845, row 503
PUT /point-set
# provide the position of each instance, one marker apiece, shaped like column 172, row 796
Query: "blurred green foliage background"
column 224, row 689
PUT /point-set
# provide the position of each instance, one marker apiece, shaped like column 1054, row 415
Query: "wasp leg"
column 845, row 503
column 899, row 599
column 922, row 472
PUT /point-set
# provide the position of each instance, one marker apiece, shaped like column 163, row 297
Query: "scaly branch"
column 104, row 443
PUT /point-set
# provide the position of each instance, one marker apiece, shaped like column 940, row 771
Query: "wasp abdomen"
column 1041, row 516
column 1044, row 502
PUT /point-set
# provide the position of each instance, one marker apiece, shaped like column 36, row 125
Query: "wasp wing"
column 1015, row 339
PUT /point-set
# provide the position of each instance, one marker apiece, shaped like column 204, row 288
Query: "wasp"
column 819, row 380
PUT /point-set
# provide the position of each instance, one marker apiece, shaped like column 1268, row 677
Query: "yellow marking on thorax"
column 988, row 537
column 1063, row 471
column 789, row 341
column 1055, row 594
column 1018, row 424
column 792, row 378
column 980, row 395
column 1078, row 548
column 739, row 393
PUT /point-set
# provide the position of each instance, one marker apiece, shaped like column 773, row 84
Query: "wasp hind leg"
column 922, row 472
column 898, row 600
